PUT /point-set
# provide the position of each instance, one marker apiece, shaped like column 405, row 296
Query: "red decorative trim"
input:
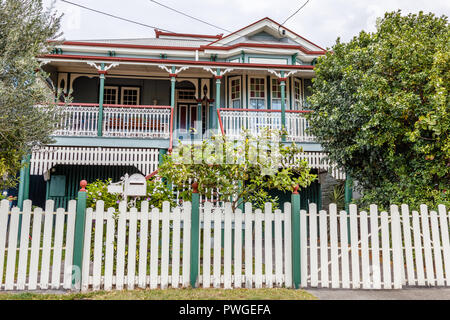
column 195, row 187
column 261, row 45
column 201, row 48
column 173, row 75
column 210, row 100
column 83, row 184
column 120, row 45
column 263, row 110
column 296, row 187
column 282, row 79
column 220, row 122
column 179, row 62
column 114, row 105
column 187, row 35
column 217, row 77
column 102, row 72
column 154, row 173
column 171, row 131
column 199, row 100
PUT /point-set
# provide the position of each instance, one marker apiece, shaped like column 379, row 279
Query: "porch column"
column 199, row 118
column 102, row 73
column 24, row 183
column 283, row 101
column 173, row 81
column 217, row 102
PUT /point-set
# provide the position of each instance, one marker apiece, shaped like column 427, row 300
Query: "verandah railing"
column 81, row 119
column 234, row 121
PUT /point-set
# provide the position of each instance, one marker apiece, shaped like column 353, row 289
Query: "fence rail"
column 253, row 248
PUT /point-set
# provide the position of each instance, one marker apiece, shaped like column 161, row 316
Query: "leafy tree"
column 381, row 109
column 241, row 171
column 24, row 30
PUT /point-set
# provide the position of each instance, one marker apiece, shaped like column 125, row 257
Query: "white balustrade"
column 234, row 122
column 139, row 122
column 77, row 120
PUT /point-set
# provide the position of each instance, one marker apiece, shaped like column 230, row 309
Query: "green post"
column 295, row 237
column 348, row 191
column 161, row 154
column 217, row 102
column 195, row 235
column 173, row 81
column 283, row 102
column 20, row 196
column 348, row 200
column 80, row 221
column 199, row 119
column 101, row 94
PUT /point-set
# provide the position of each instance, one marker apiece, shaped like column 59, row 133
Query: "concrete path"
column 403, row 294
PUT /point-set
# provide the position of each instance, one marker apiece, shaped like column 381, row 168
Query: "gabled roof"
column 268, row 26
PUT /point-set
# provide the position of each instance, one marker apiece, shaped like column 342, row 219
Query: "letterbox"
column 136, row 186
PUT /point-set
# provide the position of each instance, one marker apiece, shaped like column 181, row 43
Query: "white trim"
column 43, row 159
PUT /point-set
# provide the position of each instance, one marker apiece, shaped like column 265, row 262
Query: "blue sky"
column 320, row 21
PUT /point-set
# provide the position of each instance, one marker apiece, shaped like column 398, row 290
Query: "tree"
column 242, row 171
column 24, row 30
column 381, row 109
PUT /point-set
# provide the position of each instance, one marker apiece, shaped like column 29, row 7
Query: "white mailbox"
column 136, row 186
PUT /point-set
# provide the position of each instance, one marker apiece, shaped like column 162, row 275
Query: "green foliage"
column 24, row 31
column 242, row 170
column 157, row 193
column 338, row 196
column 381, row 109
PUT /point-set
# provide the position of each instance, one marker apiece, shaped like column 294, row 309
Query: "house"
column 134, row 99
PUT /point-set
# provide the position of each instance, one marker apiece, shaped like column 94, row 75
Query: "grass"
column 170, row 294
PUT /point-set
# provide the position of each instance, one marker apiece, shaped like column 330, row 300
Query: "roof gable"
column 265, row 30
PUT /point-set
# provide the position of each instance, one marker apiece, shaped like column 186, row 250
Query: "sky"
column 320, row 21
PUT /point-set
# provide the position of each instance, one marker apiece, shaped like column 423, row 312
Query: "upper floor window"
column 298, row 99
column 130, row 95
column 235, row 92
column 276, row 94
column 257, row 93
column 111, row 95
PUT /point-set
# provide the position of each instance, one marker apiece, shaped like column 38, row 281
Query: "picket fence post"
column 195, row 234
column 78, row 246
column 295, row 237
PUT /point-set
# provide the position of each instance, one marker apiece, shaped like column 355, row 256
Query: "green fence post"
column 195, row 234
column 348, row 200
column 80, row 221
column 295, row 237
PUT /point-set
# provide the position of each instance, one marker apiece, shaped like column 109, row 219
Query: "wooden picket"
column 49, row 236
column 150, row 248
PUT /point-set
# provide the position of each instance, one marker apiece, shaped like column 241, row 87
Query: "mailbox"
column 136, row 186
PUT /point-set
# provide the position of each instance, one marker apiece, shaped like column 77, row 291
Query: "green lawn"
column 170, row 294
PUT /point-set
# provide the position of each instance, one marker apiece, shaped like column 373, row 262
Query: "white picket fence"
column 44, row 251
column 385, row 250
column 149, row 248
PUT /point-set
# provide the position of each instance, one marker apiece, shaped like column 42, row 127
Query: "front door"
column 187, row 120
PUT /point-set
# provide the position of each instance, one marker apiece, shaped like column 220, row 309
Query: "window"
column 110, row 95
column 186, row 94
column 130, row 95
column 276, row 94
column 235, row 97
column 298, row 101
column 257, row 93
